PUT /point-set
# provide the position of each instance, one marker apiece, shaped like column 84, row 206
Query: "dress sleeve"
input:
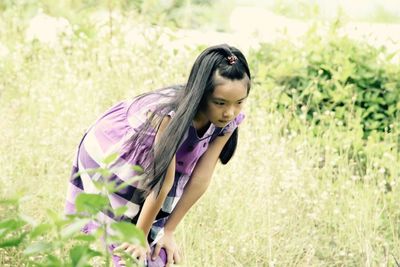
column 233, row 124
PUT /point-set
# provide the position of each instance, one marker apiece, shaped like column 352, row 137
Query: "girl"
column 176, row 135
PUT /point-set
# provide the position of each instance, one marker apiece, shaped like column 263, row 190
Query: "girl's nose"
column 229, row 113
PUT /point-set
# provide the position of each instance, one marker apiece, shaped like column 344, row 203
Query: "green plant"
column 60, row 241
column 333, row 74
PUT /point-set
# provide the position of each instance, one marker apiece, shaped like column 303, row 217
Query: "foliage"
column 181, row 13
column 60, row 241
column 299, row 9
column 310, row 188
column 382, row 14
column 332, row 73
column 340, row 93
column 375, row 12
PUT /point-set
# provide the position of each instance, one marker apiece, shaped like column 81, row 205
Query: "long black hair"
column 186, row 102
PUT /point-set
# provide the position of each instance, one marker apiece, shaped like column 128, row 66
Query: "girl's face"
column 227, row 100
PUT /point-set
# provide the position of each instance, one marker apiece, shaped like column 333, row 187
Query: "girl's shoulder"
column 143, row 106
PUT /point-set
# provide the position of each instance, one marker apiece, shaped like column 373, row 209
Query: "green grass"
column 288, row 198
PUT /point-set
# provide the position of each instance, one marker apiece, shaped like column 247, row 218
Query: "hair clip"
column 232, row 59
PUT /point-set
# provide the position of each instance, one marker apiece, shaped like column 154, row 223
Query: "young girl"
column 176, row 134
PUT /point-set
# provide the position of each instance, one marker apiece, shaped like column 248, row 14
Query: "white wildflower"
column 336, row 211
column 47, row 29
column 4, row 51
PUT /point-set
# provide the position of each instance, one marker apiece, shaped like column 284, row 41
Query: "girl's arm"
column 153, row 202
column 195, row 188
column 198, row 183
column 151, row 206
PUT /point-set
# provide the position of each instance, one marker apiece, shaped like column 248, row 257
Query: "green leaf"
column 73, row 228
column 127, row 232
column 88, row 171
column 10, row 225
column 52, row 260
column 12, row 242
column 40, row 230
column 137, row 168
column 99, row 185
column 56, row 218
column 53, row 215
column 85, row 237
column 109, row 186
column 80, row 255
column 106, row 173
column 91, row 203
column 125, row 184
column 284, row 99
column 38, row 247
column 10, row 201
column 111, row 158
column 120, row 210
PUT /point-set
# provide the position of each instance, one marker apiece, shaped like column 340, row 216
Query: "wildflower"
column 336, row 211
column 47, row 29
column 3, row 51
column 354, row 178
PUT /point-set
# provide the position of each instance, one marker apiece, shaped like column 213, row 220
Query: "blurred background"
column 262, row 19
column 315, row 179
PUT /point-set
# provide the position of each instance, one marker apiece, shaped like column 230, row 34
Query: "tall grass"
column 290, row 197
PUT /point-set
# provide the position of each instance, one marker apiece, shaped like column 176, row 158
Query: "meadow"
column 311, row 184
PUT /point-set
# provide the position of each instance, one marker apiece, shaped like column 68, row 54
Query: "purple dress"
column 108, row 135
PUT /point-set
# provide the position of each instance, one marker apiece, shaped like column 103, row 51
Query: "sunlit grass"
column 288, row 198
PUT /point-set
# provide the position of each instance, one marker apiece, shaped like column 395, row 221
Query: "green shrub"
column 331, row 73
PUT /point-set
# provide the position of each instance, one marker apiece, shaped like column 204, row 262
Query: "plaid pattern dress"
column 109, row 134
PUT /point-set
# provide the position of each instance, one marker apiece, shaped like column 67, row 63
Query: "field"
column 297, row 193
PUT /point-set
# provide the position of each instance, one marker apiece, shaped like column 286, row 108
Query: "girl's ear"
column 229, row 148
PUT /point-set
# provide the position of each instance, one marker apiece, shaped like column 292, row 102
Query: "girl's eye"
column 219, row 103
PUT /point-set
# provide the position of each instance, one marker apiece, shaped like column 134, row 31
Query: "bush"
column 335, row 74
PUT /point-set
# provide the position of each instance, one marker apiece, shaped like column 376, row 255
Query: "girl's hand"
column 168, row 243
column 135, row 251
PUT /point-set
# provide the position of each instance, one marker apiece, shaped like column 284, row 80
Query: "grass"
column 288, row 198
